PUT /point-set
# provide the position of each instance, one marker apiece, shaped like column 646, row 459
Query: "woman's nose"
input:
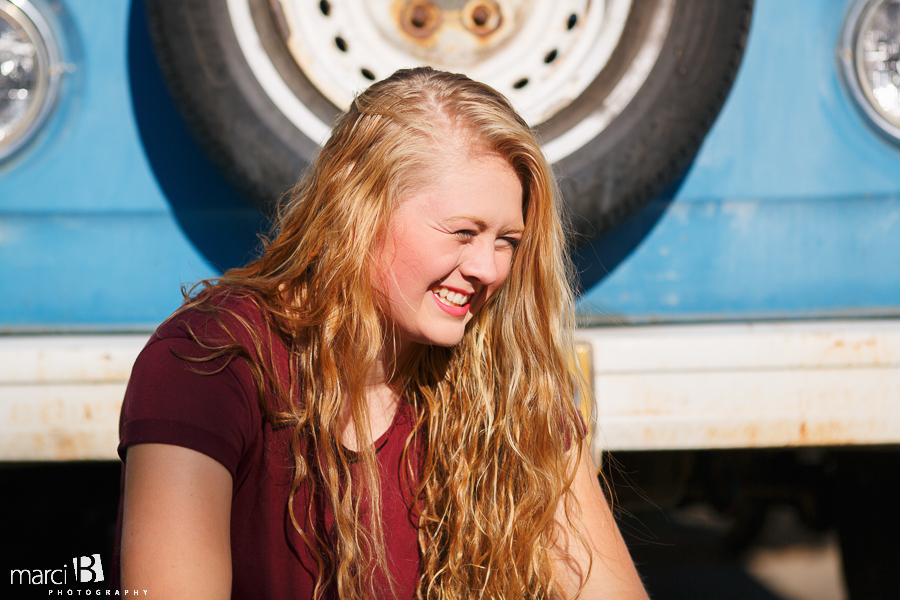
column 481, row 262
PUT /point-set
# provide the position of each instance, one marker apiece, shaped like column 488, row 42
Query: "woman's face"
column 449, row 247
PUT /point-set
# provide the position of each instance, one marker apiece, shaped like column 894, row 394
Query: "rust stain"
column 751, row 433
column 429, row 26
column 66, row 445
column 482, row 17
column 58, row 444
column 827, row 433
column 419, row 19
column 830, row 433
column 871, row 350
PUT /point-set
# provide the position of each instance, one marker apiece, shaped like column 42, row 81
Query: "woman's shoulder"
column 227, row 329
column 187, row 390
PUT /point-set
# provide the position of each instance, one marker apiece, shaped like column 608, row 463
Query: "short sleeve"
column 200, row 406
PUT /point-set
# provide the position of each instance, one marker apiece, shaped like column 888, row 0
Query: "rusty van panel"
column 747, row 385
column 60, row 395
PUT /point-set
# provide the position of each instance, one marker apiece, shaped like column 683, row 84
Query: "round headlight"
column 870, row 53
column 29, row 73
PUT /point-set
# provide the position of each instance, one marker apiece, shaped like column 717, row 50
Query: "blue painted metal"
column 88, row 239
column 792, row 207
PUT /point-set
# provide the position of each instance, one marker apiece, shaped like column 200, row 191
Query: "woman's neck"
column 381, row 401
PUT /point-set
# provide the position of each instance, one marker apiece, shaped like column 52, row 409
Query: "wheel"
column 621, row 92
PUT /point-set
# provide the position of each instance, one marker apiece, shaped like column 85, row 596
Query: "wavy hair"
column 490, row 458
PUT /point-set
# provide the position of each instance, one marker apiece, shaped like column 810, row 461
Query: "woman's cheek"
column 506, row 268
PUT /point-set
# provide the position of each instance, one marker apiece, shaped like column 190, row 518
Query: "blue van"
column 731, row 172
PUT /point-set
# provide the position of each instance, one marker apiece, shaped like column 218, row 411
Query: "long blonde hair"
column 494, row 447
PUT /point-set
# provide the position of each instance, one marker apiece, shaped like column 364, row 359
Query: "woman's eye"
column 466, row 234
column 512, row 242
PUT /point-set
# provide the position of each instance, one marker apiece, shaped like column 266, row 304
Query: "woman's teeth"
column 451, row 298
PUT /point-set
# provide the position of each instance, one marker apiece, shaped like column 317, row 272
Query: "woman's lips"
column 450, row 301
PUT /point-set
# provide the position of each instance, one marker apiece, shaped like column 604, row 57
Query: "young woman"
column 381, row 405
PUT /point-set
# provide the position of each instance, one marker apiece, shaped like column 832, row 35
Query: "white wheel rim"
column 375, row 44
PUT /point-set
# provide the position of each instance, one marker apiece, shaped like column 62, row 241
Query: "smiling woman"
column 450, row 247
column 382, row 404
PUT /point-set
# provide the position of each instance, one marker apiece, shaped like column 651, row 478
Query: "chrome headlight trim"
column 853, row 66
column 49, row 66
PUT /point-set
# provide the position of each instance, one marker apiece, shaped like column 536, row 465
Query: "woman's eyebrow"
column 478, row 222
column 482, row 224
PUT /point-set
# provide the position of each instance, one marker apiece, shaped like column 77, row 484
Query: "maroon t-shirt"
column 167, row 402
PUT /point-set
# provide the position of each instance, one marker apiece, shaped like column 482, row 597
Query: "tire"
column 657, row 75
column 653, row 141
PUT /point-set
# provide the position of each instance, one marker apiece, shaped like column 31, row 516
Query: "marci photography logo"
column 85, row 570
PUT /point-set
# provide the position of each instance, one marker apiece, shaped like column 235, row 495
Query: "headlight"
column 870, row 52
column 29, row 61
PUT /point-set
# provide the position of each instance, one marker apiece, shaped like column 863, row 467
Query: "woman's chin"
column 442, row 339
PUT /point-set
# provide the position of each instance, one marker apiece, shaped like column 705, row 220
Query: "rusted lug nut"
column 482, row 17
column 420, row 18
